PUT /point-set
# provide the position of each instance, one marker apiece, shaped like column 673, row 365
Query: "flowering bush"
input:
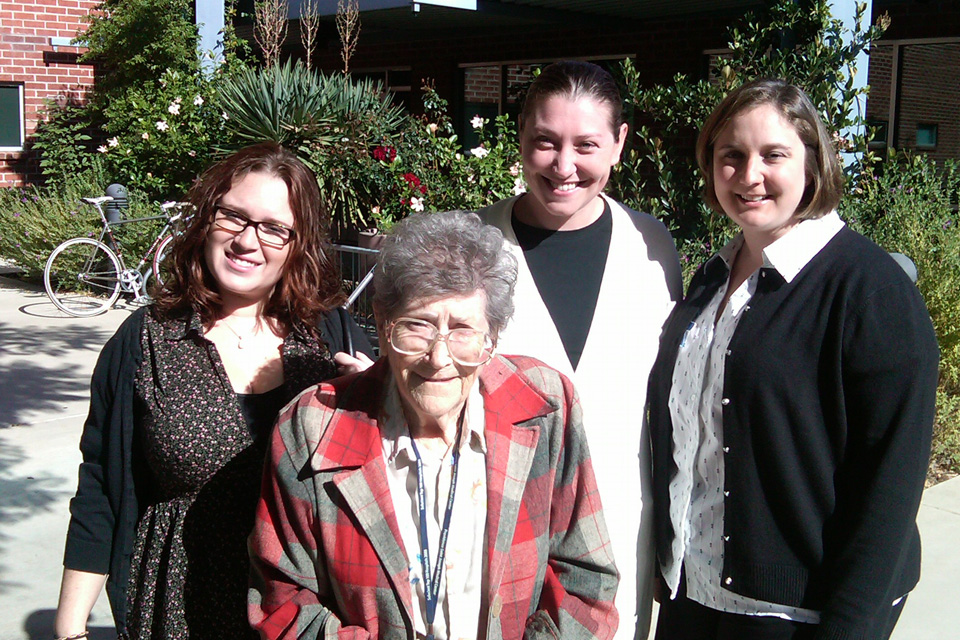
column 377, row 176
column 160, row 137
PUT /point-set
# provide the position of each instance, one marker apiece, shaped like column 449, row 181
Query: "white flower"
column 519, row 187
column 515, row 169
column 198, row 100
column 102, row 148
column 432, row 127
column 224, row 115
column 174, row 108
column 162, row 125
column 476, row 122
column 479, row 152
column 457, row 156
column 416, row 204
column 192, row 153
column 145, row 135
column 375, row 210
column 112, row 142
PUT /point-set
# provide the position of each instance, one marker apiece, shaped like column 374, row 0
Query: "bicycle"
column 84, row 277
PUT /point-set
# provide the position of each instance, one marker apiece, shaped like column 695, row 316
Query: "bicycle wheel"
column 82, row 277
column 159, row 256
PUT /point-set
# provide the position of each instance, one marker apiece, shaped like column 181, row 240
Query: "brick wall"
column 27, row 58
column 482, row 84
column 930, row 94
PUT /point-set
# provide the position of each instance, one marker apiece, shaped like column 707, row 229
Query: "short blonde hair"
column 825, row 187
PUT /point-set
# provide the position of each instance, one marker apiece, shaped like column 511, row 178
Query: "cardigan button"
column 726, row 449
column 728, row 581
column 725, row 401
column 729, row 352
column 726, row 538
column 726, row 494
column 497, row 606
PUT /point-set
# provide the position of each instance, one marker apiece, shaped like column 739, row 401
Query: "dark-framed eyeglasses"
column 468, row 347
column 271, row 234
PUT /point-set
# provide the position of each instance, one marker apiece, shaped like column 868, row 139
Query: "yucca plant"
column 287, row 104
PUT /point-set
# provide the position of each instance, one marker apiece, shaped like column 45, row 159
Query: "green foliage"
column 910, row 207
column 374, row 177
column 136, row 42
column 34, row 220
column 63, row 141
column 294, row 106
column 799, row 42
column 161, row 136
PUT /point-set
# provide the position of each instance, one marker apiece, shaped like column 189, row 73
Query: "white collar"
column 790, row 253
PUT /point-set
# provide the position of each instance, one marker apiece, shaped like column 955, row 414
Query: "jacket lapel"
column 509, row 404
column 352, row 450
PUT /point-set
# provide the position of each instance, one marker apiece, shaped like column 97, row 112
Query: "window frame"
column 20, row 92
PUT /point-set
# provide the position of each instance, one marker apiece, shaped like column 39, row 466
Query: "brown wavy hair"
column 822, row 167
column 310, row 282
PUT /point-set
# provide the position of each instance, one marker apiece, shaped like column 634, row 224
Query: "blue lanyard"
column 431, row 582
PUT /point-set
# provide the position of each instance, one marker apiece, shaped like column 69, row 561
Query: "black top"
column 567, row 267
column 260, row 410
column 829, row 390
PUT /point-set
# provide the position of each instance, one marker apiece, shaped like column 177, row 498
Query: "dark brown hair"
column 575, row 79
column 822, row 194
column 310, row 283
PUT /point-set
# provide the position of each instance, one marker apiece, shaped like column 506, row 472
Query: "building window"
column 926, row 136
column 11, row 117
column 879, row 138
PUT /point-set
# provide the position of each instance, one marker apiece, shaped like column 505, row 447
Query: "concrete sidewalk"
column 46, row 360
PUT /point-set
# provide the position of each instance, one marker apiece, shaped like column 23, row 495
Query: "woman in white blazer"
column 596, row 283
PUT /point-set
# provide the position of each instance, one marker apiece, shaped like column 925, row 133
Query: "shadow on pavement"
column 39, row 626
column 34, row 373
column 21, row 497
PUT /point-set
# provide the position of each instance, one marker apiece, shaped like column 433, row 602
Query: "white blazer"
column 641, row 283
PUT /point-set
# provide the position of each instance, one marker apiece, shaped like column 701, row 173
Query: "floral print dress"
column 202, row 463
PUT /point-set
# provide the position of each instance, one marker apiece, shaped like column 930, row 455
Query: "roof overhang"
column 454, row 16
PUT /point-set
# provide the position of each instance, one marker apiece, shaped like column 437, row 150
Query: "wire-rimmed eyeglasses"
column 468, row 347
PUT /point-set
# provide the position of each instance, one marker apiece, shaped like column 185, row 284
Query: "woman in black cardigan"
column 792, row 400
column 182, row 399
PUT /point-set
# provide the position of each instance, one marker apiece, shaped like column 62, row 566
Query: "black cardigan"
column 105, row 510
column 829, row 392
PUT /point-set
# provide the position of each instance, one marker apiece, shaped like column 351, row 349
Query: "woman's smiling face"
column 759, row 173
column 243, row 267
column 568, row 147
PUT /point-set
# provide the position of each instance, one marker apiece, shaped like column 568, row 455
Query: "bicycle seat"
column 97, row 200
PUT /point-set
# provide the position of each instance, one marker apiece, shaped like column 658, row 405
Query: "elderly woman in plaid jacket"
column 446, row 492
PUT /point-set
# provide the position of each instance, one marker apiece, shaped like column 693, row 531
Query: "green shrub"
column 63, row 141
column 909, row 205
column 800, row 42
column 34, row 220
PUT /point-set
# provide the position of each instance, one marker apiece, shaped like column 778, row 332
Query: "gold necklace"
column 241, row 338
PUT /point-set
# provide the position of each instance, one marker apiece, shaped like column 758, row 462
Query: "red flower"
column 412, row 180
column 385, row 154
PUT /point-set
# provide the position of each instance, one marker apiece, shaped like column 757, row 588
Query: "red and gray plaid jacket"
column 327, row 557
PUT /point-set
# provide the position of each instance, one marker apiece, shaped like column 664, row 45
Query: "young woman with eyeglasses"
column 183, row 397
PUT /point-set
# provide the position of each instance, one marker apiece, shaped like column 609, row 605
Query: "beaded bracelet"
column 76, row 636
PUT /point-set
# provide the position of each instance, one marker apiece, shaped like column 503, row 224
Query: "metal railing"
column 356, row 269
